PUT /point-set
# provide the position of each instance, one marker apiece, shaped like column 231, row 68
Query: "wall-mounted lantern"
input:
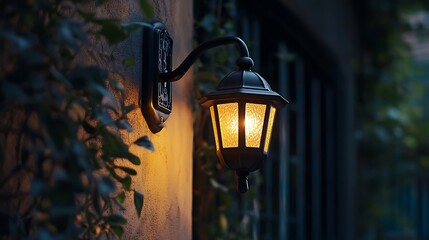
column 242, row 108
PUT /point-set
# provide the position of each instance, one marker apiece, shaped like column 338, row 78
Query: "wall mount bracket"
column 156, row 95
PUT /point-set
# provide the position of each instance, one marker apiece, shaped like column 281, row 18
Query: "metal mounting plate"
column 156, row 97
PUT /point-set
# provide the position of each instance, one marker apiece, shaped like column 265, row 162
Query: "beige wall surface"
column 165, row 175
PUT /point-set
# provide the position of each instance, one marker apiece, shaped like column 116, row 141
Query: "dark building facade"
column 309, row 186
column 305, row 50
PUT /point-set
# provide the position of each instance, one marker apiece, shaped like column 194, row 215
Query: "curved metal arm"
column 192, row 57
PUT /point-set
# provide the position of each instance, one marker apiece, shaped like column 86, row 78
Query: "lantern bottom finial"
column 242, row 182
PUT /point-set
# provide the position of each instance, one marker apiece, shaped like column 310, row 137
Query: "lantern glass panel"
column 214, row 127
column 270, row 128
column 228, row 123
column 254, row 123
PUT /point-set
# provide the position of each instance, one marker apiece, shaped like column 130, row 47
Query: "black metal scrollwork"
column 164, row 65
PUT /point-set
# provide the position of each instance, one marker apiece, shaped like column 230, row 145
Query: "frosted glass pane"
column 214, row 127
column 228, row 121
column 254, row 122
column 270, row 128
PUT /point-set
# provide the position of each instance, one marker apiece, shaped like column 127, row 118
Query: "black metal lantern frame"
column 242, row 158
column 242, row 108
column 248, row 91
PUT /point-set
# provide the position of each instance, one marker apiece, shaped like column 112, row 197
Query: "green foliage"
column 62, row 161
column 391, row 142
column 146, row 8
column 138, row 202
column 145, row 142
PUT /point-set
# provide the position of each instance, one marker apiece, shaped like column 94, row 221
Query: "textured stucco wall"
column 165, row 175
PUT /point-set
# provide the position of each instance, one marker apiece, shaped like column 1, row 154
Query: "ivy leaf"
column 145, row 142
column 126, row 182
column 88, row 128
column 130, row 171
column 102, row 90
column 133, row 159
column 123, row 124
column 129, row 62
column 86, row 77
column 146, row 8
column 118, row 230
column 66, row 34
column 117, row 85
column 129, row 108
column 121, row 197
column 115, row 175
column 115, row 147
column 112, row 31
column 105, row 118
column 138, row 202
column 116, row 219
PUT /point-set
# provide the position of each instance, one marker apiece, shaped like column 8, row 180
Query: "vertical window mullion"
column 301, row 155
column 316, row 160
column 330, row 165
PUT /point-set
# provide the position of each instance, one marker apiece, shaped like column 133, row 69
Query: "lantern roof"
column 244, row 84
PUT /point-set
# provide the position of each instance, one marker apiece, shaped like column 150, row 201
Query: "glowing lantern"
column 242, row 110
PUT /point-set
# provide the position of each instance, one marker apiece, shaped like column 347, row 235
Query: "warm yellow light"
column 270, row 128
column 214, row 127
column 228, row 123
column 254, row 123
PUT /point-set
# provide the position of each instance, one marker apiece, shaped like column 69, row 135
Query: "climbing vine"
column 63, row 163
